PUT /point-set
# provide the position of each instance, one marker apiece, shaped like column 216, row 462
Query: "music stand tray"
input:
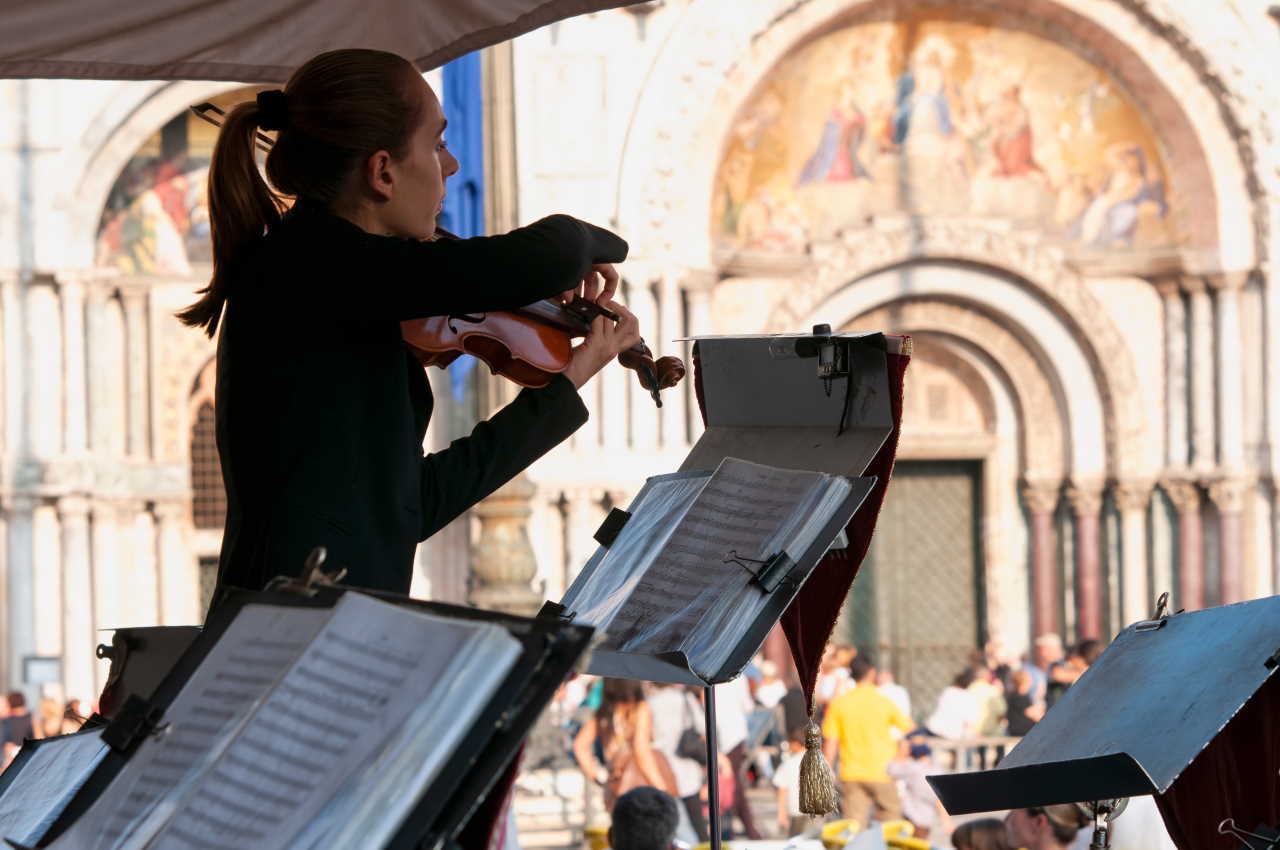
column 1158, row 695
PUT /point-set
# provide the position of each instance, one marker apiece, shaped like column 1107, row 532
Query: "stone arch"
column 665, row 196
column 1044, row 450
column 1057, row 348
column 129, row 120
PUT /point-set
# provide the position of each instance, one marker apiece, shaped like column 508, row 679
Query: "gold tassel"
column 817, row 784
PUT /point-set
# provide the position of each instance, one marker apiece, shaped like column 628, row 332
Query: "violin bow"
column 203, row 111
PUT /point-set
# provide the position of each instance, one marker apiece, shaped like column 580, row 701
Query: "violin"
column 530, row 345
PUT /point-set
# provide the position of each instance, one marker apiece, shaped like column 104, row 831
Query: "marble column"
column 644, row 416
column 1136, row 600
column 44, row 388
column 137, row 371
column 1203, row 404
column 1185, row 496
column 1230, row 370
column 20, row 584
column 75, row 409
column 677, row 406
column 503, row 562
column 78, row 639
column 1041, row 499
column 104, row 330
column 178, row 576
column 46, row 558
column 104, row 541
column 1229, row 496
column 142, row 607
column 698, row 286
column 13, row 315
column 1177, row 445
column 1086, row 507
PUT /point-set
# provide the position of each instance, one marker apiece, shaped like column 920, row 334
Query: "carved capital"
column 1229, row 494
column 698, row 280
column 1229, row 281
column 1169, row 286
column 1184, row 494
column 73, row 509
column 1194, row 284
column 1041, row 496
column 1133, row 496
column 1085, row 497
column 169, row 510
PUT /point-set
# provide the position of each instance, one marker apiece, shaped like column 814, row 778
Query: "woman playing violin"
column 321, row 411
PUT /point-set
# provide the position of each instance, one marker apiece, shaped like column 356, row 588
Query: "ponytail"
column 335, row 111
column 241, row 208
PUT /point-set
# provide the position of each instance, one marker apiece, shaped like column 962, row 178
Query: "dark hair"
column 964, row 678
column 1066, row 820
column 16, row 699
column 983, row 834
column 797, row 735
column 861, row 665
column 615, row 694
column 644, row 818
column 338, row 109
column 1089, row 650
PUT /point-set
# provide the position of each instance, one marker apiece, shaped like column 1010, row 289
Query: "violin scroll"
column 653, row 375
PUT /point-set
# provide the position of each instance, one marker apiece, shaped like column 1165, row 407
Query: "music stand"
column 818, row 402
column 1159, row 695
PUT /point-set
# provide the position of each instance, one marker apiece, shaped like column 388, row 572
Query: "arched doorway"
column 919, row 604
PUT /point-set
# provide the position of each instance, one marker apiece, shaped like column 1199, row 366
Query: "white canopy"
column 251, row 40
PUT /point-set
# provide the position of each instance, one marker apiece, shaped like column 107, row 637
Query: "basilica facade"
column 1068, row 204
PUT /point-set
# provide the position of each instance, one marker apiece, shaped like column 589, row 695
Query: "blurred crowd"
column 627, row 735
column 17, row 722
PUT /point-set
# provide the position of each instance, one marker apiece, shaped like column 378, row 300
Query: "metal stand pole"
column 713, row 766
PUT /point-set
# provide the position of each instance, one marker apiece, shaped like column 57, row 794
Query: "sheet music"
column 348, row 692
column 374, row 802
column 50, row 777
column 252, row 654
column 738, row 510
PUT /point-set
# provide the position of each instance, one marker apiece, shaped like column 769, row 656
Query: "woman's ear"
column 378, row 178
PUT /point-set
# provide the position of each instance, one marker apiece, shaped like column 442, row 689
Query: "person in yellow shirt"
column 857, row 728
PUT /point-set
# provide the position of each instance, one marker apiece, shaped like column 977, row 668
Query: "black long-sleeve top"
column 321, row 410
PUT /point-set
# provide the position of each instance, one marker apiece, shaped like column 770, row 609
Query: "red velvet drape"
column 1237, row 776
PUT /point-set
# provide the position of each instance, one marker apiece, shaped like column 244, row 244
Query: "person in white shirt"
column 786, row 778
column 771, row 689
column 957, row 714
column 896, row 693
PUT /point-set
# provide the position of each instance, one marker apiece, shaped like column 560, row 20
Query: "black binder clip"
column 1262, row 838
column 611, row 527
column 554, row 611
column 769, row 573
column 136, row 719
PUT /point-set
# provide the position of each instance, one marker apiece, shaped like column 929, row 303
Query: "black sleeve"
column 497, row 450
column 391, row 278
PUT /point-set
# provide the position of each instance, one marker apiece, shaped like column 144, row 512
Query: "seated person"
column 644, row 818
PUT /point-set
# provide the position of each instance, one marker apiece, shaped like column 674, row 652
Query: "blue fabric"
column 463, row 213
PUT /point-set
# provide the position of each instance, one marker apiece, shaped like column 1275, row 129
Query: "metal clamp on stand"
column 768, row 573
column 137, row 719
column 1256, row 840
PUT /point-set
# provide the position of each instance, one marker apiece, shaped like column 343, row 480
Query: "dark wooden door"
column 917, row 603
